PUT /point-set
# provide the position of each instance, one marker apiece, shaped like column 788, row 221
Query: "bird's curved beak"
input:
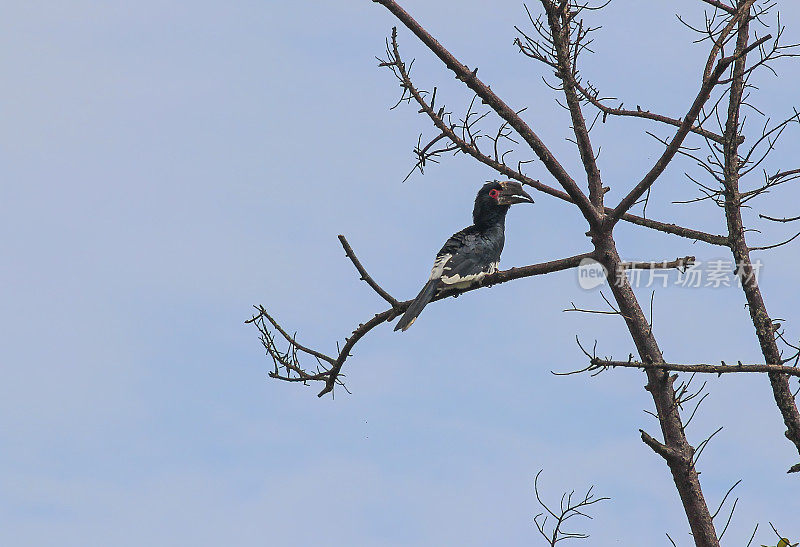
column 512, row 193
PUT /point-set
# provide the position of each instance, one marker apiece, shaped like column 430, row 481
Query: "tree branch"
column 732, row 171
column 719, row 41
column 566, row 510
column 669, row 454
column 720, row 5
column 659, row 384
column 688, row 120
column 396, row 62
column 497, row 278
column 289, row 360
column 560, row 20
column 684, row 262
column 785, row 219
column 471, row 80
column 597, row 363
column 639, row 113
column 674, row 229
column 364, row 275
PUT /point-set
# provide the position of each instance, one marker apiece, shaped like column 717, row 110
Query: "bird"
column 472, row 253
column 784, row 543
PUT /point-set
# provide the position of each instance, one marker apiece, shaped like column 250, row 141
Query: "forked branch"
column 288, row 363
column 569, row 507
column 688, row 120
column 591, row 94
column 508, row 114
column 396, row 64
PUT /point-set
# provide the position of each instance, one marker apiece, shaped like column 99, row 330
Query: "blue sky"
column 169, row 164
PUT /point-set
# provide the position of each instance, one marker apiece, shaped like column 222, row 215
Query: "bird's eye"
column 494, row 193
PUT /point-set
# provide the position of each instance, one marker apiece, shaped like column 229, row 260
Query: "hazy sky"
column 169, row 164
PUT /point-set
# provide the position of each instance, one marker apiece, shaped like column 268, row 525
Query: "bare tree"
column 558, row 37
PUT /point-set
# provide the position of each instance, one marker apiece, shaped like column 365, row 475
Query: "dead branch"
column 674, row 229
column 395, row 62
column 364, row 275
column 566, row 510
column 733, row 167
column 776, row 245
column 685, row 262
column 591, row 94
column 669, row 454
column 508, row 114
column 288, row 366
column 785, row 219
column 733, row 508
column 688, row 120
column 723, row 368
column 723, row 36
column 567, row 34
column 719, row 5
column 558, row 47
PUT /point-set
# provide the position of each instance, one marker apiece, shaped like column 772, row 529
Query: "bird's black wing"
column 463, row 260
column 466, row 258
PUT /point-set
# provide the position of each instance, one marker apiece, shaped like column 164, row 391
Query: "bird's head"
column 495, row 197
column 506, row 192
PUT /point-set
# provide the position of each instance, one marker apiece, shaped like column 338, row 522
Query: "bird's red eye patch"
column 494, row 193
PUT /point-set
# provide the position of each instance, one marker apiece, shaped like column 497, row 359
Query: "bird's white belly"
column 462, row 282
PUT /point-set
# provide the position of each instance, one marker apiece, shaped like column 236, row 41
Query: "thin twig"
column 364, row 275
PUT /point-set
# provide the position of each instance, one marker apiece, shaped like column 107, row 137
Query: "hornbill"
column 474, row 252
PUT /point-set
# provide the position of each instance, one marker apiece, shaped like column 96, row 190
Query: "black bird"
column 474, row 252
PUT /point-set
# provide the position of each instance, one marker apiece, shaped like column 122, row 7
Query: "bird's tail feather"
column 425, row 295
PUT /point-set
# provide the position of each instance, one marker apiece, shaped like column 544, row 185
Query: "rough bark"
column 675, row 449
column 741, row 251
